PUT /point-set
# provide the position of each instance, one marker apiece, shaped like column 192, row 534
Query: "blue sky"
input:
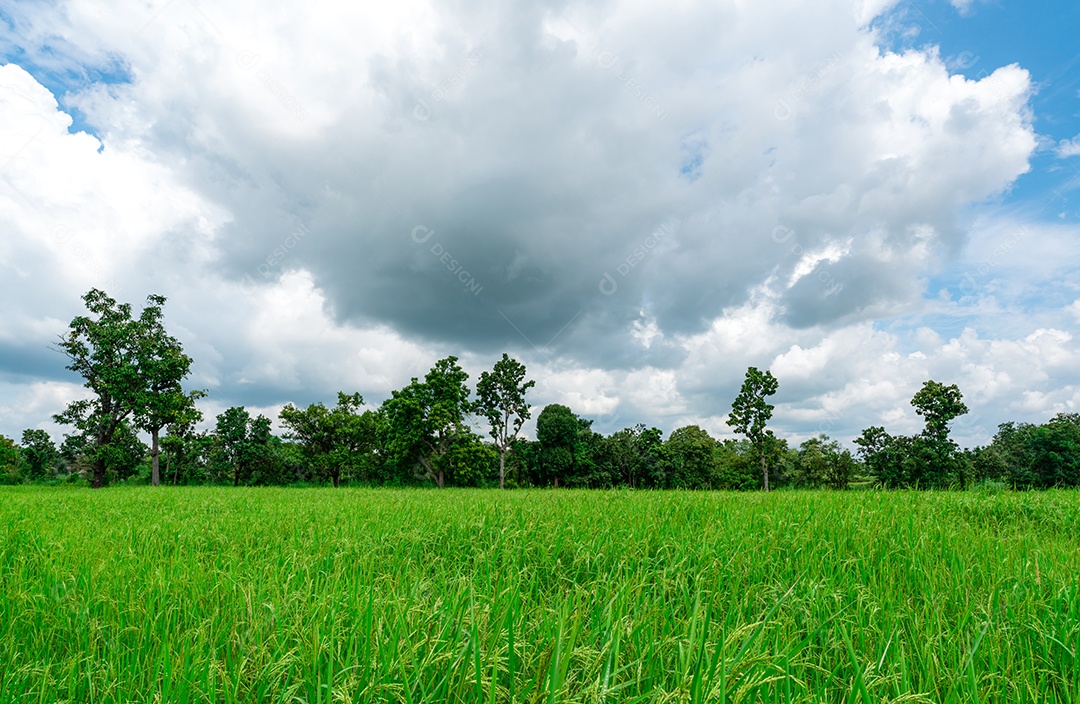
column 1042, row 38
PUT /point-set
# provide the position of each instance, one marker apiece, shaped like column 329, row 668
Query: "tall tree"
column 424, row 420
column 750, row 412
column 110, row 349
column 501, row 399
column 937, row 458
column 938, row 405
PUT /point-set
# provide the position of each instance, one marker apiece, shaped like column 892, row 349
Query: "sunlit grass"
column 279, row 595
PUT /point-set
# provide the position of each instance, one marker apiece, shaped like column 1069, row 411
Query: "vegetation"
column 429, row 434
column 134, row 369
column 241, row 595
column 750, row 412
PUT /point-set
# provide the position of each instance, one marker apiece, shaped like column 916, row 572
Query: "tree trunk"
column 502, row 468
column 765, row 470
column 556, row 481
column 155, row 450
column 104, row 435
column 335, row 477
column 98, row 479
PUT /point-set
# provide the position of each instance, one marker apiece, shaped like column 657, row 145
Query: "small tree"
column 39, row 454
column 750, row 412
column 502, row 401
column 333, row 439
column 557, row 430
column 690, row 454
column 9, row 461
column 241, row 445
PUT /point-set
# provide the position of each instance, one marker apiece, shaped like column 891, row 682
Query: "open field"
column 279, row 595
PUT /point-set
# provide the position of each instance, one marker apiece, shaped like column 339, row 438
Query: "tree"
column 557, row 431
column 822, row 462
column 750, row 412
column 163, row 366
column 501, row 399
column 424, row 420
column 813, row 463
column 243, row 447
column 39, row 454
column 938, row 405
column 333, row 439
column 690, row 453
column 182, row 443
column 635, row 455
column 875, row 449
column 9, row 461
column 938, row 461
column 125, row 361
column 735, row 466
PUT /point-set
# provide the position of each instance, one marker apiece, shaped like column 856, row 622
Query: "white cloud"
column 1069, row 147
column 808, row 182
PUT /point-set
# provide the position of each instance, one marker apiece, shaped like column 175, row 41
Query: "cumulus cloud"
column 1069, row 147
column 638, row 203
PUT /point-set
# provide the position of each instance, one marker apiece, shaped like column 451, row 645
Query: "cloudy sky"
column 637, row 199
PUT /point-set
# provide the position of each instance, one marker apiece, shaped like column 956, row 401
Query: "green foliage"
column 564, row 441
column 131, row 365
column 244, row 450
column 472, row 462
column 938, row 405
column 821, row 462
column 423, row 421
column 9, row 461
column 1030, row 456
column 736, row 466
column 635, row 457
column 39, row 455
column 928, row 460
column 124, row 455
column 336, row 440
column 690, row 459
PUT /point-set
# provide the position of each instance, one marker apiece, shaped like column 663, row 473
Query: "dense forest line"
column 426, row 434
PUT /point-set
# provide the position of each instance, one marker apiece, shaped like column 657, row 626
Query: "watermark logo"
column 608, row 285
column 421, row 234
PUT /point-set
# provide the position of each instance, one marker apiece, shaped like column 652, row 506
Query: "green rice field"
column 351, row 595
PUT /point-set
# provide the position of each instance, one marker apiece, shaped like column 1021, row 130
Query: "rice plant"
column 321, row 595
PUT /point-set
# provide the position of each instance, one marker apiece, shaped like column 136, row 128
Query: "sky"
column 637, row 200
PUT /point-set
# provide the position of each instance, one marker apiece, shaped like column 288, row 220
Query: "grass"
column 316, row 595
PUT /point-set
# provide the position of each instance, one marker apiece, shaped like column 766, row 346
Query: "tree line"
column 426, row 434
